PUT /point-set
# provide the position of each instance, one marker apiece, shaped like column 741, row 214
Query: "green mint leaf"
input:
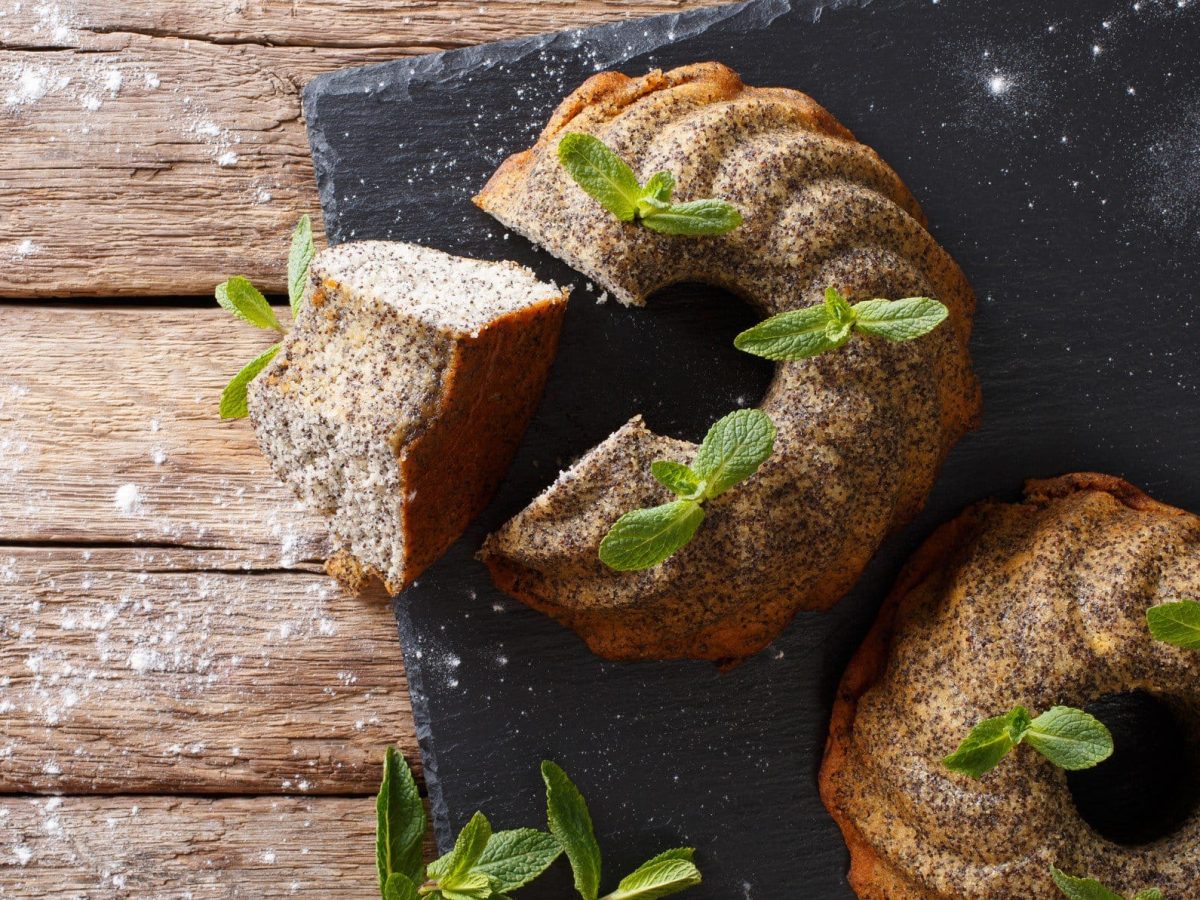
column 733, row 449
column 467, row 886
column 660, row 877
column 899, row 320
column 1176, row 623
column 645, row 537
column 400, row 825
column 988, row 743
column 601, row 173
column 1081, row 888
column 571, row 824
column 1070, row 738
column 838, row 308
column 1149, row 894
column 660, row 186
column 397, row 887
column 514, row 858
column 697, row 218
column 678, row 478
column 451, row 869
column 233, row 398
column 246, row 302
column 299, row 258
column 796, row 334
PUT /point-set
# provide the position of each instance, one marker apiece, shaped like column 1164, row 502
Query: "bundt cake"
column 397, row 401
column 862, row 431
column 1037, row 603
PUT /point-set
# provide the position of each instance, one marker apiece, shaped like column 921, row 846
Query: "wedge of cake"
column 397, row 401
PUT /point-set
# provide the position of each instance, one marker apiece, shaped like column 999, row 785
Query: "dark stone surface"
column 1069, row 190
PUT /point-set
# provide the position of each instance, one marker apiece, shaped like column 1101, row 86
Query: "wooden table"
column 188, row 706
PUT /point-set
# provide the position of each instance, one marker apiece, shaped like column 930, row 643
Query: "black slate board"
column 1055, row 146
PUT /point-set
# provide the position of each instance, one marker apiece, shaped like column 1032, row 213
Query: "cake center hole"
column 1151, row 783
column 678, row 356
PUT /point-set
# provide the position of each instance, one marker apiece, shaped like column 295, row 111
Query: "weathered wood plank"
column 155, row 848
column 155, row 670
column 144, row 667
column 109, row 433
column 153, row 149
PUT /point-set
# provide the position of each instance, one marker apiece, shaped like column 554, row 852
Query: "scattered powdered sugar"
column 228, row 158
column 26, row 248
column 128, row 500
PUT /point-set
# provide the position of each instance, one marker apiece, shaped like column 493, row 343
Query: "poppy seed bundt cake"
column 397, row 401
column 1035, row 603
column 862, row 432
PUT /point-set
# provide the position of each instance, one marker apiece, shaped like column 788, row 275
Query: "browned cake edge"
column 456, row 460
column 611, row 92
column 871, row 875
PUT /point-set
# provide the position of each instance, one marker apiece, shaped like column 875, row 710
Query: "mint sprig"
column 1176, row 623
column 1090, row 889
column 731, row 452
column 571, row 822
column 801, row 333
column 487, row 865
column 1070, row 738
column 609, row 180
column 246, row 302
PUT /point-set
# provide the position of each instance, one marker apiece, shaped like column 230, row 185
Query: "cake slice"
column 397, row 401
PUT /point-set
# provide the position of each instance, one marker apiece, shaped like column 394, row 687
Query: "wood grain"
column 155, row 848
column 94, row 401
column 151, row 670
column 144, row 667
column 156, row 148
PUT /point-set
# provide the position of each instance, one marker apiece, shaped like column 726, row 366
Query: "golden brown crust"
column 862, row 432
column 492, row 388
column 871, row 874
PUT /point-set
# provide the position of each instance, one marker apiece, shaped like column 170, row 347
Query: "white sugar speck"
column 26, row 248
column 998, row 85
column 128, row 500
column 92, row 103
column 158, row 455
column 228, row 158
column 113, row 81
column 268, row 857
column 152, row 81
column 24, row 854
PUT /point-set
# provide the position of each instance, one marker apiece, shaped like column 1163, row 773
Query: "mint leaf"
column 467, row 886
column 246, row 302
column 1070, row 738
column 514, row 858
column 233, row 398
column 400, row 825
column 678, row 478
column 791, row 335
column 1081, row 888
column 660, row 186
column 899, row 320
column 801, row 333
column 733, row 449
column 838, row 308
column 697, row 218
column 1176, row 623
column 450, row 870
column 601, row 173
column 988, row 743
column 645, row 537
column 299, row 258
column 397, row 887
column 571, row 824
column 660, row 877
column 1149, row 894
